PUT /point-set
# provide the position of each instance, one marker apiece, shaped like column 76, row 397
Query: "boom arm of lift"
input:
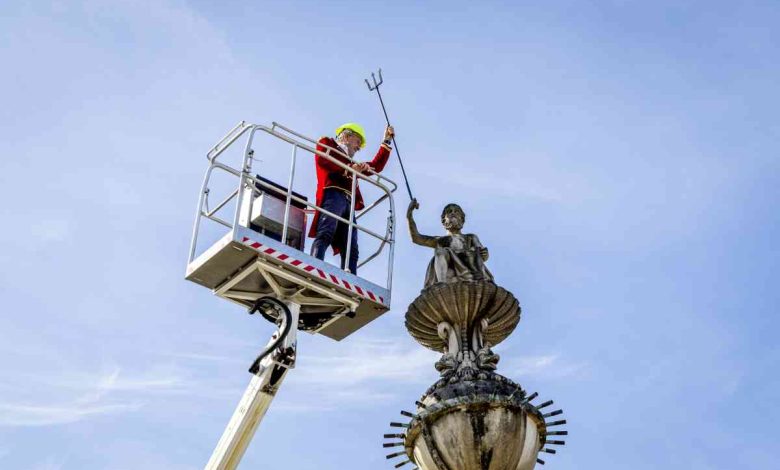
column 269, row 370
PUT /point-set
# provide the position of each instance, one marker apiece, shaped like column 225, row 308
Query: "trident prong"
column 387, row 119
column 373, row 78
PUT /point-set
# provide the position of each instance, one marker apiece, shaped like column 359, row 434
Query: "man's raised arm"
column 383, row 154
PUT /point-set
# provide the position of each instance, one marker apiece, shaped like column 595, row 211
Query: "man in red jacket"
column 334, row 189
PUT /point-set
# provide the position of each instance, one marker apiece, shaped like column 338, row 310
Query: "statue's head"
column 453, row 217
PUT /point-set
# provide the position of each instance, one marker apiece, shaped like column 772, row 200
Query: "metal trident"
column 398, row 152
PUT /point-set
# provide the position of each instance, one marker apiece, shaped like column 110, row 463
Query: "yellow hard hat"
column 356, row 128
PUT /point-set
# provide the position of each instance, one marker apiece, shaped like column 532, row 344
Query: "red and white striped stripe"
column 287, row 259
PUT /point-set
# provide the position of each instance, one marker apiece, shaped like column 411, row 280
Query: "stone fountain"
column 472, row 418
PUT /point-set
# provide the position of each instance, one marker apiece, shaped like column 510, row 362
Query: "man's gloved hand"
column 389, row 133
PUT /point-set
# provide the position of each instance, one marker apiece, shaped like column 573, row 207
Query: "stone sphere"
column 476, row 425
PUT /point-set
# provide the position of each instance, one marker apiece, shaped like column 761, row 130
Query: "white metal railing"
column 246, row 179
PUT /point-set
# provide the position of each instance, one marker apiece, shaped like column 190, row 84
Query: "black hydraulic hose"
column 285, row 327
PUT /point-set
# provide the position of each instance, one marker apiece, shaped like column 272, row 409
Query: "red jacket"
column 330, row 174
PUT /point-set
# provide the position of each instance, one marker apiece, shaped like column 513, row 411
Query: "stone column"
column 472, row 418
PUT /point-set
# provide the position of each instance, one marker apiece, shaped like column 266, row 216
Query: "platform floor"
column 245, row 265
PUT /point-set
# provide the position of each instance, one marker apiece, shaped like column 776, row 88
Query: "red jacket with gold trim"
column 330, row 174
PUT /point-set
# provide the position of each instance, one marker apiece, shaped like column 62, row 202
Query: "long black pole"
column 398, row 152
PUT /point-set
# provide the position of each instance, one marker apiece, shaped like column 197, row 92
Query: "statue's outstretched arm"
column 417, row 237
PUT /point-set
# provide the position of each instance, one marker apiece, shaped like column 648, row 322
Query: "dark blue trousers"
column 332, row 232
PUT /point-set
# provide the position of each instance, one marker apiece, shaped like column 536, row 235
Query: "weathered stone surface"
column 457, row 256
column 476, row 425
column 472, row 418
column 463, row 305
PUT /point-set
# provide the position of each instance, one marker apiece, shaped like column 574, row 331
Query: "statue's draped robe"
column 457, row 258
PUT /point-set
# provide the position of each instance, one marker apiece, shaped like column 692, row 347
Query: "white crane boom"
column 257, row 398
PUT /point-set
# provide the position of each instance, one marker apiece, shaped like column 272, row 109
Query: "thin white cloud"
column 109, row 393
column 48, row 415
column 113, row 382
column 288, row 406
column 49, row 464
column 549, row 366
column 207, row 357
column 536, row 364
column 363, row 373
column 368, row 361
column 357, row 374
column 51, row 230
column 332, row 399
column 360, row 375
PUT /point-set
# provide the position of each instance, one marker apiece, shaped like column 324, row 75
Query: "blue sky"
column 618, row 158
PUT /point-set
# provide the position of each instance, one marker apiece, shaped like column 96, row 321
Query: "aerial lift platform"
column 259, row 262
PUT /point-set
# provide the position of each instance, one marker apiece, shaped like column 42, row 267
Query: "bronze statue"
column 457, row 256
